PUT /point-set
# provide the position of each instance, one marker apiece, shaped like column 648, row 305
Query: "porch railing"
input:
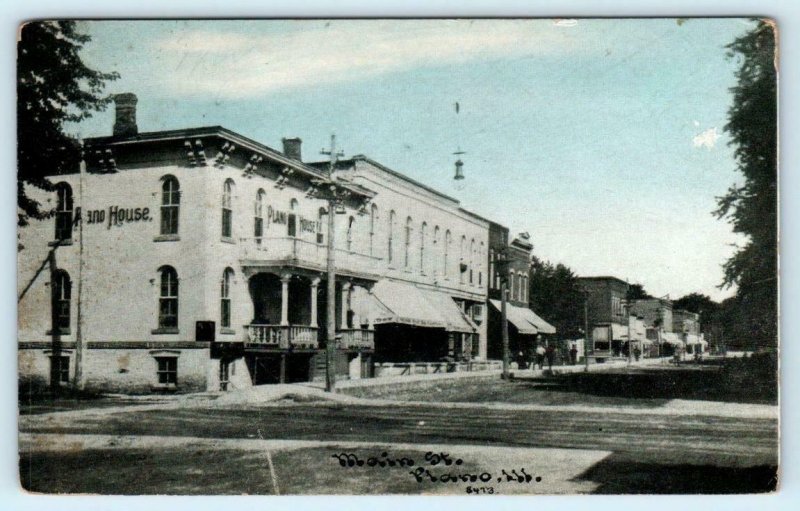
column 356, row 338
column 282, row 336
column 297, row 250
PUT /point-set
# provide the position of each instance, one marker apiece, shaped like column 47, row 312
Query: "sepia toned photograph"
column 490, row 257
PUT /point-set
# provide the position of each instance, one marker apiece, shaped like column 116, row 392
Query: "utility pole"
column 79, row 345
column 586, row 329
column 504, row 325
column 630, row 339
column 55, row 348
column 330, row 305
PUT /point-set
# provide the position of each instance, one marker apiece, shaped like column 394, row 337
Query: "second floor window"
column 291, row 219
column 422, row 234
column 350, row 224
column 227, row 209
column 258, row 219
column 170, row 205
column 225, row 299
column 63, row 212
column 168, row 298
column 407, row 258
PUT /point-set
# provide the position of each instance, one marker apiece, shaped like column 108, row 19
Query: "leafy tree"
column 637, row 292
column 751, row 208
column 556, row 295
column 54, row 87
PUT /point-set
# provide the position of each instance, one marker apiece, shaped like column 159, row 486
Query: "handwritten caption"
column 438, row 468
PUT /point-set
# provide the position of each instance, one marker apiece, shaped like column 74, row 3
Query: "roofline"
column 222, row 132
column 399, row 175
column 605, row 277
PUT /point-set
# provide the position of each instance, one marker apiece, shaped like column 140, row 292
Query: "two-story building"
column 686, row 326
column 607, row 314
column 195, row 259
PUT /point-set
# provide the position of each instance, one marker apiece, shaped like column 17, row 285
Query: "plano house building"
column 202, row 267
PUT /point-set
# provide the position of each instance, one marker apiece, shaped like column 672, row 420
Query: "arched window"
column 407, row 244
column 258, row 215
column 491, row 269
column 291, row 220
column 168, row 298
column 437, row 247
column 445, row 259
column 390, row 242
column 481, row 260
column 471, row 261
column 62, row 293
column 63, row 212
column 322, row 225
column 227, row 209
column 170, row 205
column 225, row 299
column 373, row 217
column 462, row 258
column 524, row 288
column 512, row 284
column 422, row 234
column 350, row 225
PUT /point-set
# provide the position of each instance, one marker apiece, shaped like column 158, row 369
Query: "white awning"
column 517, row 317
column 671, row 338
column 543, row 326
column 455, row 319
column 619, row 332
column 406, row 304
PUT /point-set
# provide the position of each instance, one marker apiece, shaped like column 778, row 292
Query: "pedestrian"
column 637, row 352
column 540, row 351
column 550, row 352
column 573, row 354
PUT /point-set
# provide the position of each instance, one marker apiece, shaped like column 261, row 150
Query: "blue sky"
column 601, row 138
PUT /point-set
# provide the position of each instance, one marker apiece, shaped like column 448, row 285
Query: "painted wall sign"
column 118, row 216
column 281, row 217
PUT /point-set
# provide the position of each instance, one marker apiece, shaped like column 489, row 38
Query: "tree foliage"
column 54, row 87
column 637, row 292
column 556, row 295
column 751, row 208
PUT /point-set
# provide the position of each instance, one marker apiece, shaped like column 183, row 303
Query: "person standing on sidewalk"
column 573, row 354
column 540, row 352
column 550, row 353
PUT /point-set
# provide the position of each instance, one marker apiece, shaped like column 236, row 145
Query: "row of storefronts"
column 196, row 260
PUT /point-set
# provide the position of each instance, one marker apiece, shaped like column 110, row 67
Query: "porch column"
column 285, row 299
column 370, row 310
column 314, row 287
column 345, row 303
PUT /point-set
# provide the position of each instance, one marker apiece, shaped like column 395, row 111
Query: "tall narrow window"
column 350, row 225
column 225, row 299
column 373, row 217
column 462, row 259
column 62, row 289
column 227, row 209
column 407, row 244
column 258, row 216
column 170, row 205
column 291, row 221
column 481, row 261
column 471, row 261
column 445, row 259
column 422, row 233
column 437, row 247
column 63, row 212
column 61, row 368
column 168, row 298
column 491, row 269
column 390, row 241
column 512, row 284
column 322, row 225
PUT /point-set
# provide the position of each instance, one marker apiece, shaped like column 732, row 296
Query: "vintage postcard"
column 407, row 256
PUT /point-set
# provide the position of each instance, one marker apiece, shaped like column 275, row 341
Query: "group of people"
column 545, row 353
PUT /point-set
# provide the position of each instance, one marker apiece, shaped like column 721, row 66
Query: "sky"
column 604, row 139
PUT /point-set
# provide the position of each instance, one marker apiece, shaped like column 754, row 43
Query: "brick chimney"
column 292, row 148
column 125, row 119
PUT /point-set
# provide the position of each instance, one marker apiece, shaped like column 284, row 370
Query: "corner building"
column 202, row 267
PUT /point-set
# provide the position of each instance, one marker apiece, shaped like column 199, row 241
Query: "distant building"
column 608, row 319
column 687, row 327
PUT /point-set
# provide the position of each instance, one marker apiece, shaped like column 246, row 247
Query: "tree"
column 637, row 292
column 54, row 87
column 556, row 295
column 751, row 208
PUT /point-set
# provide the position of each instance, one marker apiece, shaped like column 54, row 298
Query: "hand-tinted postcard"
column 408, row 256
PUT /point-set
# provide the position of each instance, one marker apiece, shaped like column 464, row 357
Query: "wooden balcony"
column 356, row 339
column 282, row 337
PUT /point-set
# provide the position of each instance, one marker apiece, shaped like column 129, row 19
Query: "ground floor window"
column 167, row 370
column 226, row 369
column 61, row 368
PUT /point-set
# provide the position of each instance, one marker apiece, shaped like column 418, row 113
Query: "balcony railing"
column 306, row 253
column 357, row 339
column 281, row 337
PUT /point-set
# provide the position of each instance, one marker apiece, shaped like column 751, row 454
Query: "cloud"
column 251, row 63
column 707, row 139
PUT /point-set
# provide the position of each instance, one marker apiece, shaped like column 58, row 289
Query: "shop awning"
column 541, row 325
column 455, row 319
column 671, row 338
column 692, row 339
column 619, row 332
column 406, row 304
column 516, row 316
